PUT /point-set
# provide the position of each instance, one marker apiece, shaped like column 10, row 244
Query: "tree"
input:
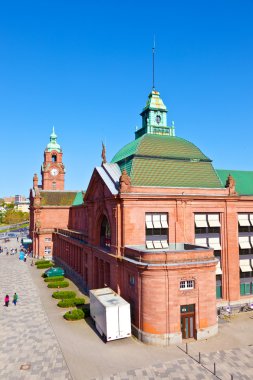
column 12, row 216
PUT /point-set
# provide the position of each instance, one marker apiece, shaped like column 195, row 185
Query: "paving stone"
column 26, row 334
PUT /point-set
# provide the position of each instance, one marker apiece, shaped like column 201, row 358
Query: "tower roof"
column 154, row 102
column 166, row 161
column 53, row 145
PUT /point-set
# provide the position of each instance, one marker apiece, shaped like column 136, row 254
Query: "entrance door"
column 187, row 321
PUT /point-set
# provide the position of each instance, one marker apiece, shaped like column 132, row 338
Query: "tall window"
column 156, row 230
column 207, row 234
column 245, row 233
column 207, row 231
column 54, row 185
column 105, row 234
column 54, row 158
column 245, row 241
column 47, row 251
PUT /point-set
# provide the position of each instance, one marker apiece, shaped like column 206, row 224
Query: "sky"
column 86, row 68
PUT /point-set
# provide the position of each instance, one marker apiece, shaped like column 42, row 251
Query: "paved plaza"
column 37, row 343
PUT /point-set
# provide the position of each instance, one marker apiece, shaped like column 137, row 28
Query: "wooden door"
column 187, row 322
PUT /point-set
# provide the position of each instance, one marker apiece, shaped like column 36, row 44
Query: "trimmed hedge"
column 42, row 262
column 44, row 266
column 70, row 302
column 60, row 284
column 64, row 294
column 74, row 315
column 55, row 278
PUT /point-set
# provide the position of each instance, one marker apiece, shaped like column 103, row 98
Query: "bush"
column 42, row 262
column 58, row 284
column 74, row 315
column 44, row 266
column 64, row 294
column 79, row 301
column 70, row 302
column 55, row 278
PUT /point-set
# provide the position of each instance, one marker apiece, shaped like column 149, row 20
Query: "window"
column 218, row 269
column 48, row 239
column 105, row 234
column 207, row 231
column 156, row 230
column 246, row 288
column 131, row 280
column 188, row 284
column 218, row 291
column 245, row 266
column 47, row 250
column 53, row 185
column 207, row 223
column 218, row 286
column 54, row 158
column 245, row 232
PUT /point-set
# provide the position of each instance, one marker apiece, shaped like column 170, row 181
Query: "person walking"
column 15, row 298
column 6, row 300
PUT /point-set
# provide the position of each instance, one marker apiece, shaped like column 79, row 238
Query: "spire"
column 53, row 135
column 53, row 145
column 153, row 66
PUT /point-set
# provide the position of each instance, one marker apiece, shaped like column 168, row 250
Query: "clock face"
column 54, row 171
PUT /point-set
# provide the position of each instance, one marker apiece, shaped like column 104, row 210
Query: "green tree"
column 12, row 216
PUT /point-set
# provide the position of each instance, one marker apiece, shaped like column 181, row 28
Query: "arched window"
column 105, row 234
column 54, row 158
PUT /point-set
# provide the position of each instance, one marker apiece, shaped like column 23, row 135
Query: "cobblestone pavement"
column 236, row 362
column 26, row 336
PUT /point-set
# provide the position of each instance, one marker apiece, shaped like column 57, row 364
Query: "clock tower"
column 52, row 169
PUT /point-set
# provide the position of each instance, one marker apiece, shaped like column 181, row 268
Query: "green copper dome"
column 167, row 161
column 53, row 145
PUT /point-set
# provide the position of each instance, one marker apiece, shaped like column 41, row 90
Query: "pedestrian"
column 15, row 298
column 6, row 300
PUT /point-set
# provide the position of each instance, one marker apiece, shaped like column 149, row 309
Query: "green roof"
column 160, row 146
column 57, row 198
column 78, row 199
column 169, row 161
column 53, row 145
column 243, row 180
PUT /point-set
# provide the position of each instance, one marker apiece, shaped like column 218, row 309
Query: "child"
column 7, row 300
column 15, row 299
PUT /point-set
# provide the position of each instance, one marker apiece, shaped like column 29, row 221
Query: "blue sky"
column 86, row 68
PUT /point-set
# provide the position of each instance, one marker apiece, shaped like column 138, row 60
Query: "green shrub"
column 55, row 278
column 64, row 294
column 44, row 266
column 42, row 262
column 58, row 284
column 74, row 315
column 79, row 301
column 70, row 302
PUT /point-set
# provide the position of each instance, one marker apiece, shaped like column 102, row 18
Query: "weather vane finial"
column 103, row 155
column 153, row 55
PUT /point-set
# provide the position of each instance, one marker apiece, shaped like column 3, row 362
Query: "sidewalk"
column 35, row 333
column 28, row 346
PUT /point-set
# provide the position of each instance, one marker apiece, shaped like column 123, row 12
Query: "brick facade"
column 104, row 241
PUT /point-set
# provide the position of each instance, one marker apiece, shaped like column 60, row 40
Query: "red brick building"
column 160, row 226
column 49, row 203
